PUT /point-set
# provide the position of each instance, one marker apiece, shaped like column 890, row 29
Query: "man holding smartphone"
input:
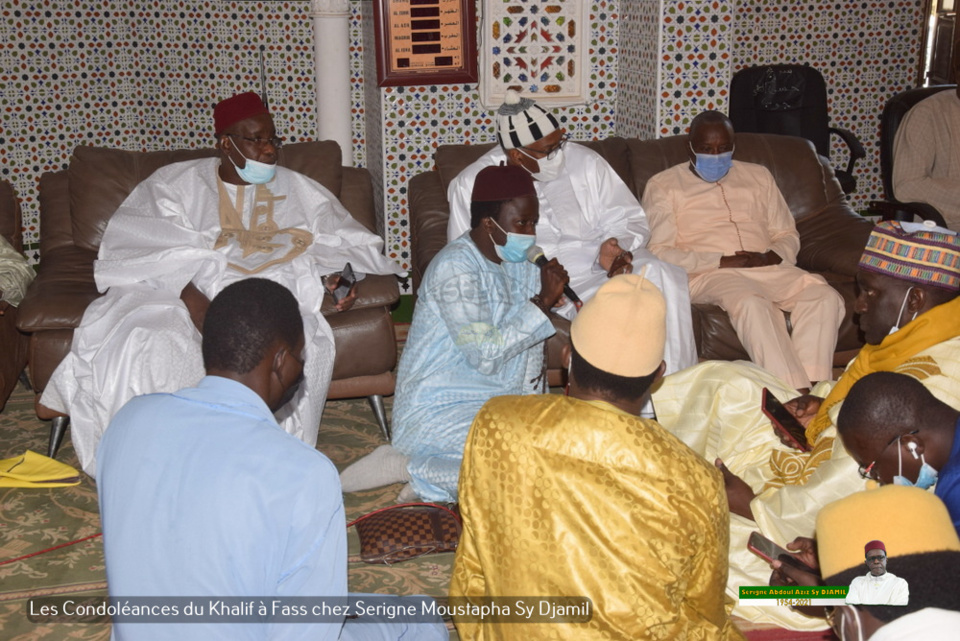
column 909, row 312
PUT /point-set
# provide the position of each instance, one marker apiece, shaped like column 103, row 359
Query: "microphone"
column 535, row 256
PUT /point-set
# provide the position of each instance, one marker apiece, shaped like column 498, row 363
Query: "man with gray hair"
column 589, row 219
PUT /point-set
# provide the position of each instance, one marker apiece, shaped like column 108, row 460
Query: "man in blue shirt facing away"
column 203, row 494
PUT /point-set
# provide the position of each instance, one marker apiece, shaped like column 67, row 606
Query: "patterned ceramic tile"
column 539, row 45
column 145, row 75
column 695, row 60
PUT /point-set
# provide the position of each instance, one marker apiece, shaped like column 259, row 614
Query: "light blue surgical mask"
column 927, row 477
column 254, row 172
column 515, row 249
column 713, row 167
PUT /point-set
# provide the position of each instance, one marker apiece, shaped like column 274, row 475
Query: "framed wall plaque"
column 425, row 42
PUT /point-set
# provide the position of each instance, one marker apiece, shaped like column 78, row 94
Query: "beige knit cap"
column 622, row 329
column 907, row 519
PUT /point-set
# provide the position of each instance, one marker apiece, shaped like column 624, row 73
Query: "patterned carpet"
column 34, row 520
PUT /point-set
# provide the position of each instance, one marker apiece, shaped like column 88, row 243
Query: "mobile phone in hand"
column 784, row 422
column 346, row 283
column 768, row 550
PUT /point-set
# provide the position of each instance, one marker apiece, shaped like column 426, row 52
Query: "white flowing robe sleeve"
column 165, row 231
column 616, row 211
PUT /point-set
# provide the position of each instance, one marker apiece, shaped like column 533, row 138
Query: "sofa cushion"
column 61, row 292
column 450, row 160
column 318, row 159
column 100, row 179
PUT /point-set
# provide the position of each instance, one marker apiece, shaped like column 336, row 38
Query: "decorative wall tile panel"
column 538, row 45
column 637, row 96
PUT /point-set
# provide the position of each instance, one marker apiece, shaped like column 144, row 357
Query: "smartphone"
column 784, row 422
column 768, row 550
column 347, row 281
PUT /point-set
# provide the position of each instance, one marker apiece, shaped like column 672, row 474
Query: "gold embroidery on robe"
column 263, row 231
column 795, row 468
column 920, row 368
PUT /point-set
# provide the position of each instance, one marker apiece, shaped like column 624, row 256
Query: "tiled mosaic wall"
column 141, row 75
column 417, row 119
column 638, row 91
column 674, row 63
column 866, row 50
column 145, row 75
column 694, row 60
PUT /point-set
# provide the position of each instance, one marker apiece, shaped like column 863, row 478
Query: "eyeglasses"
column 876, row 557
column 551, row 153
column 276, row 141
column 867, row 472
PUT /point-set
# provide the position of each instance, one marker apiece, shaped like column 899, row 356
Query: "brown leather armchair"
column 13, row 344
column 75, row 206
column 832, row 235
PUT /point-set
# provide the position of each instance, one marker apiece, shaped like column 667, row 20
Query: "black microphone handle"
column 540, row 261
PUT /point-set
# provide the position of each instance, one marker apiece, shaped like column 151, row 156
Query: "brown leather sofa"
column 832, row 235
column 75, row 206
column 13, row 344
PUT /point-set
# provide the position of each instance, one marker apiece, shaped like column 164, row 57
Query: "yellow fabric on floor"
column 36, row 470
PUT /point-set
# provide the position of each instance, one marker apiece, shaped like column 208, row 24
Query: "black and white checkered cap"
column 521, row 121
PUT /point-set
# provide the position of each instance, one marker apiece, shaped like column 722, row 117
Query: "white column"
column 331, row 45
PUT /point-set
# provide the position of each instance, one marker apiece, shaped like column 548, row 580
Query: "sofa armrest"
column 373, row 291
column 60, row 293
column 832, row 240
column 356, row 194
column 429, row 213
column 908, row 212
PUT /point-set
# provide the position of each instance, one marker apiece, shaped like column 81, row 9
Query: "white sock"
column 383, row 466
column 407, row 495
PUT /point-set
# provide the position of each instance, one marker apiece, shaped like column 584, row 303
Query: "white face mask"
column 903, row 306
column 550, row 169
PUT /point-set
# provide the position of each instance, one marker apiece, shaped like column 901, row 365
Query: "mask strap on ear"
column 899, row 456
column 903, row 306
